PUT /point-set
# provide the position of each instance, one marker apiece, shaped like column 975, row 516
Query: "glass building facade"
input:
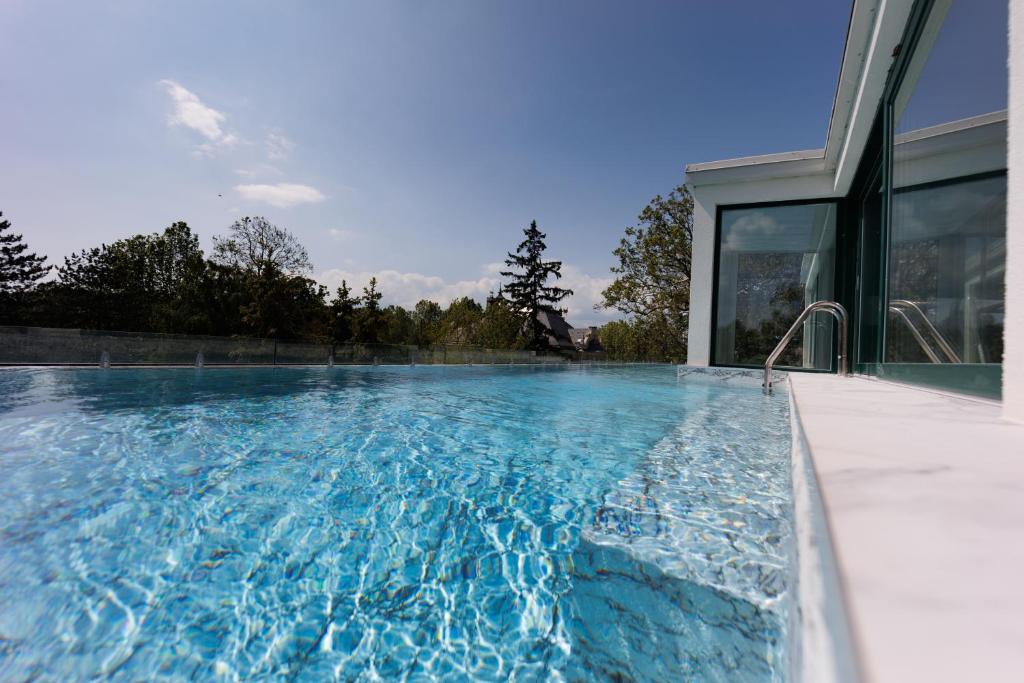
column 917, row 250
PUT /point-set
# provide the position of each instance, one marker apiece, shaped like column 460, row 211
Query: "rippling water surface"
column 402, row 523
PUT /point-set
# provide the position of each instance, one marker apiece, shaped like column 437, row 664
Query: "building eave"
column 874, row 31
column 762, row 167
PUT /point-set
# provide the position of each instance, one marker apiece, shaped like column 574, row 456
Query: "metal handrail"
column 916, row 334
column 896, row 305
column 838, row 312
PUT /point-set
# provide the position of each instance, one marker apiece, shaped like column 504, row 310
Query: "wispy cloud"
column 281, row 195
column 258, row 170
column 190, row 112
column 405, row 289
column 340, row 234
column 279, row 146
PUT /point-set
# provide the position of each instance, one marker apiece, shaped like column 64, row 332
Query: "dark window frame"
column 853, row 262
column 719, row 209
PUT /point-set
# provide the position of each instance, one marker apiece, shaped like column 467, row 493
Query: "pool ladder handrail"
column 899, row 307
column 838, row 312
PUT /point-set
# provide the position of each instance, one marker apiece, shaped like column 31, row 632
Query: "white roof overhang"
column 876, row 28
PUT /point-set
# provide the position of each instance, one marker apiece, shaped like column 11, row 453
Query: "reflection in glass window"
column 772, row 262
column 947, row 236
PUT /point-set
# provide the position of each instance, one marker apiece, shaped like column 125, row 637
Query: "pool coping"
column 908, row 569
column 821, row 644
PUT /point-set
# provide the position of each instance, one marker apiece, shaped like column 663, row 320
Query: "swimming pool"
column 390, row 523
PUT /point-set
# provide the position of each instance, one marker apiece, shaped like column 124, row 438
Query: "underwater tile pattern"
column 391, row 523
column 709, row 511
column 737, row 377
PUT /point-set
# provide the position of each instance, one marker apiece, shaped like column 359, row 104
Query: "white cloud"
column 279, row 146
column 281, row 195
column 752, row 228
column 258, row 170
column 340, row 234
column 405, row 289
column 190, row 112
column 586, row 294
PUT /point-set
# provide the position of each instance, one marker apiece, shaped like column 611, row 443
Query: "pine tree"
column 370, row 319
column 18, row 270
column 343, row 310
column 528, row 291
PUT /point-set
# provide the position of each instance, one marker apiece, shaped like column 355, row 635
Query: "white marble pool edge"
column 821, row 643
column 907, row 507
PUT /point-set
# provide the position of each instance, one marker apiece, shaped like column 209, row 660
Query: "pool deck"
column 923, row 493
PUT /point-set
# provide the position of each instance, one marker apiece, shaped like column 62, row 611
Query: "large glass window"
column 772, row 262
column 947, row 229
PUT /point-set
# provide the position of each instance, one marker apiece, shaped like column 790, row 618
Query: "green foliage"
column 459, row 322
column 652, row 283
column 342, row 314
column 256, row 284
column 399, row 326
column 783, row 302
column 527, row 291
column 637, row 340
column 142, row 283
column 285, row 307
column 19, row 268
column 426, row 317
column 225, row 296
column 370, row 321
column 499, row 327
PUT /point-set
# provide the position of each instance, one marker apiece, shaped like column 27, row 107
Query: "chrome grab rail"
column 916, row 334
column 838, row 312
column 898, row 306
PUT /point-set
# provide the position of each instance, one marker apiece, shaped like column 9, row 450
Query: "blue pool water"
column 392, row 523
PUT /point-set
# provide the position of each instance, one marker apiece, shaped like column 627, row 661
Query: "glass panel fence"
column 51, row 346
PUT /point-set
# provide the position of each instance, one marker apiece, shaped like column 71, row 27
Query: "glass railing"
column 55, row 346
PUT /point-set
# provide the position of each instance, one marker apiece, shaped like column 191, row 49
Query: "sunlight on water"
column 383, row 523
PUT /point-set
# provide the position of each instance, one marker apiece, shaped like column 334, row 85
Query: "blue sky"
column 413, row 140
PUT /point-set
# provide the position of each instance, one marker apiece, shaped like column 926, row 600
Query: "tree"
column 637, row 340
column 622, row 341
column 177, row 274
column 18, row 270
column 284, row 306
column 141, row 283
column 652, row 282
column 279, row 301
column 426, row 316
column 343, row 308
column 369, row 319
column 258, row 246
column 458, row 323
column 498, row 327
column 399, row 327
column 527, row 291
column 225, row 295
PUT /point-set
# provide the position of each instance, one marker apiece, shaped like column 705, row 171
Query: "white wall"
column 706, row 199
column 1013, row 356
column 698, row 341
